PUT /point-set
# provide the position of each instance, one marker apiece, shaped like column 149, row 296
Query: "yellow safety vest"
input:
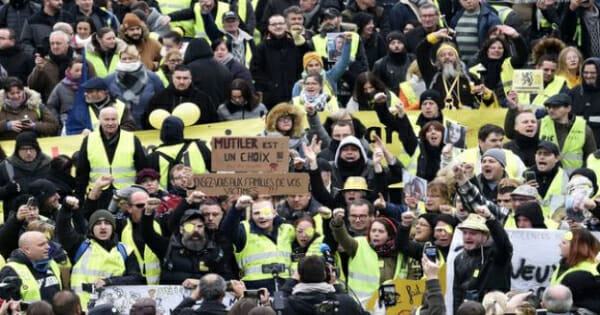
column 589, row 266
column 163, row 78
column 150, row 263
column 320, row 44
column 473, row 156
column 2, row 261
column 506, row 74
column 260, row 250
column 594, row 164
column 122, row 167
column 170, row 6
column 572, row 150
column 556, row 189
column 222, row 8
column 195, row 160
column 30, row 288
column 99, row 68
column 314, row 249
column 120, row 106
column 407, row 90
column 503, row 12
column 94, row 264
column 364, row 269
column 551, row 89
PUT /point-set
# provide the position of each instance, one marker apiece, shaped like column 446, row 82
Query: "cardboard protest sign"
column 250, row 154
column 251, row 183
column 528, row 81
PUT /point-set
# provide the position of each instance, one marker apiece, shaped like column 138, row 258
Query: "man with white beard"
column 448, row 76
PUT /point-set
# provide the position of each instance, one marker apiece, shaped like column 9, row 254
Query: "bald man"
column 109, row 151
column 38, row 274
column 557, row 299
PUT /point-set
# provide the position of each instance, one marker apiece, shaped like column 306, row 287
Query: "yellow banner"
column 473, row 119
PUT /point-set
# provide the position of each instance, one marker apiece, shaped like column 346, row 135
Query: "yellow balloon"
column 188, row 112
column 157, row 117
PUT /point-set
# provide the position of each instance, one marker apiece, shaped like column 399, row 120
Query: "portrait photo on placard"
column 335, row 45
column 456, row 134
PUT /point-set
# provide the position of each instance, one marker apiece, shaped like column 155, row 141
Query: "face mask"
column 128, row 67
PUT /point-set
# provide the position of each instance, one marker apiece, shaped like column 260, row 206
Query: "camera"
column 388, row 295
column 273, row 268
column 430, row 251
column 10, row 288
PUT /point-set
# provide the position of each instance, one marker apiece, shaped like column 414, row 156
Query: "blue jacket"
column 153, row 86
column 332, row 75
column 487, row 18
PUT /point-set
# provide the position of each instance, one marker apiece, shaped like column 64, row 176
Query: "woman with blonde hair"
column 570, row 60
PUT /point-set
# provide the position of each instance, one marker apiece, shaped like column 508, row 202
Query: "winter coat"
column 276, row 65
column 16, row 62
column 50, row 280
column 305, row 303
column 152, row 87
column 401, row 14
column 149, row 48
column 569, row 23
column 14, row 14
column 380, row 17
column 391, row 69
column 238, row 71
column 154, row 25
column 170, row 97
column 493, row 260
column 208, row 75
column 36, row 31
column 228, row 111
column 485, row 21
column 100, row 18
column 46, row 124
column 61, row 99
column 586, row 101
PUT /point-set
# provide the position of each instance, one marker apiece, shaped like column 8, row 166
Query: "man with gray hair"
column 557, row 299
column 211, row 290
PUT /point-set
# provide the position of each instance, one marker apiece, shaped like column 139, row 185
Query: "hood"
column 283, row 109
column 172, row 131
column 354, row 141
column 198, row 48
column 596, row 62
column 33, row 100
column 533, row 212
column 42, row 190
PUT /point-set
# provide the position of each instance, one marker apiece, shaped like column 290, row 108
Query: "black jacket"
column 569, row 23
column 37, row 29
column 208, row 75
column 524, row 147
column 586, row 101
column 170, row 97
column 306, row 303
column 16, row 62
column 584, row 286
column 391, row 69
column 493, row 261
column 49, row 281
column 276, row 65
column 206, row 308
column 14, row 14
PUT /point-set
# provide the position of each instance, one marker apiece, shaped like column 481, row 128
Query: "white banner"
column 167, row 297
column 535, row 256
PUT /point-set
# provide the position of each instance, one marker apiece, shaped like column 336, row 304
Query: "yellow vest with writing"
column 572, row 150
column 195, row 160
column 149, row 263
column 30, row 288
column 260, row 250
column 122, row 167
column 589, row 266
column 94, row 264
column 363, row 269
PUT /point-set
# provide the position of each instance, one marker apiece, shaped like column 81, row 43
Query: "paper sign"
column 246, row 184
column 528, row 81
column 250, row 154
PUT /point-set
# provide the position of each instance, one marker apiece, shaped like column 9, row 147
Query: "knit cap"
column 309, row 56
column 100, row 215
column 131, row 20
column 497, row 154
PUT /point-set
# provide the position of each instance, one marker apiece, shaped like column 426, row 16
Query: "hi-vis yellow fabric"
column 473, row 119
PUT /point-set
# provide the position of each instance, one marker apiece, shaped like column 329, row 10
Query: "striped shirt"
column 467, row 36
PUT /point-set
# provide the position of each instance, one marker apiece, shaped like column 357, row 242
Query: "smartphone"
column 529, row 176
column 430, row 251
column 255, row 294
column 30, row 202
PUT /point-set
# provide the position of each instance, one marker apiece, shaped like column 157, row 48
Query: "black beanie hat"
column 431, row 218
column 42, row 189
column 27, row 138
column 586, row 172
column 432, row 95
column 446, row 218
column 395, row 35
column 171, row 131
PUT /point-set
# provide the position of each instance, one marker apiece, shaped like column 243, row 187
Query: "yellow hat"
column 445, row 46
column 311, row 56
column 356, row 183
column 474, row 222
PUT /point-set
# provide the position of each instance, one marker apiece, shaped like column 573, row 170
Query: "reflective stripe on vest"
column 30, row 288
column 551, row 89
column 96, row 263
column 588, row 266
column 557, row 189
column 572, row 150
column 320, row 44
column 170, row 6
column 149, row 264
column 313, row 250
column 122, row 167
column 192, row 158
column 363, row 270
column 260, row 250
column 99, row 67
column 120, row 106
column 473, row 156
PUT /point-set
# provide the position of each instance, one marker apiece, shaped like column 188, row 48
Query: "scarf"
column 14, row 104
column 225, row 59
column 319, row 100
column 387, row 249
column 321, row 287
column 41, row 265
column 70, row 82
column 62, row 61
column 131, row 79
